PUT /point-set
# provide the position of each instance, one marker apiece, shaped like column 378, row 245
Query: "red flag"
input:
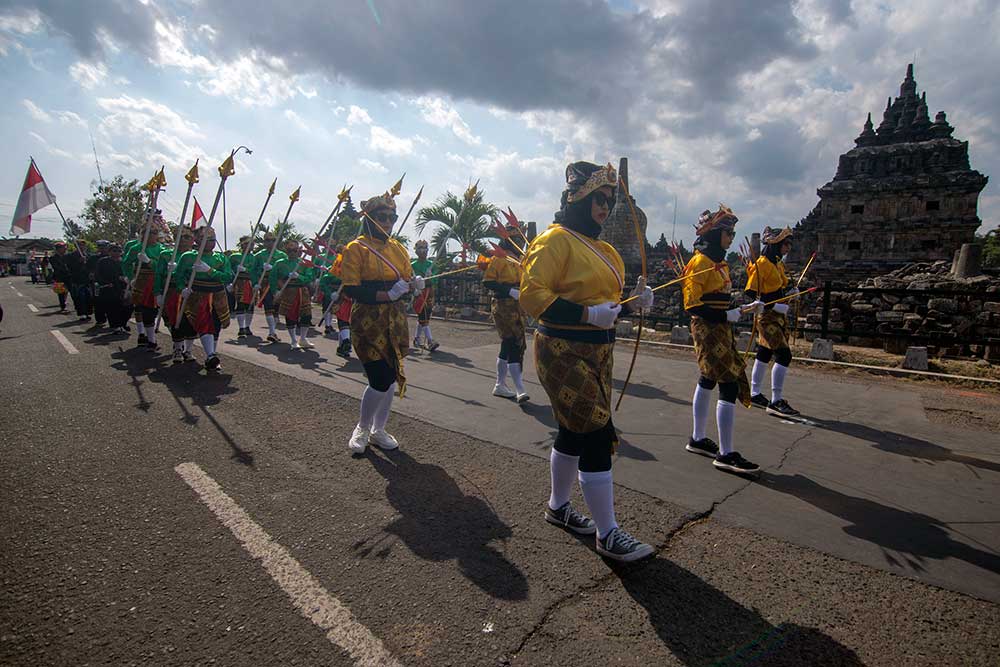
column 35, row 195
column 198, row 217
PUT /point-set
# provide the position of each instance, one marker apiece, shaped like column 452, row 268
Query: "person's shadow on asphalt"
column 917, row 536
column 701, row 625
column 439, row 522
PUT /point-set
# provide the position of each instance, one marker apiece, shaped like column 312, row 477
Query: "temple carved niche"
column 905, row 193
column 618, row 229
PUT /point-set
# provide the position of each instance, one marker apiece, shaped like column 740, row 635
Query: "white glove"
column 792, row 290
column 400, row 288
column 515, row 293
column 186, row 292
column 144, row 258
column 603, row 315
column 267, row 267
column 229, row 287
column 756, row 306
column 293, row 275
column 240, row 269
column 781, row 308
column 171, row 266
column 336, row 295
column 201, row 267
column 159, row 300
column 418, row 284
column 734, row 315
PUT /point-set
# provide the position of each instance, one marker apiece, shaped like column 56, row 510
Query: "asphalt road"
column 152, row 515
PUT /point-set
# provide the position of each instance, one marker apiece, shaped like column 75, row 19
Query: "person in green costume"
column 423, row 303
column 206, row 308
column 143, row 294
column 290, row 281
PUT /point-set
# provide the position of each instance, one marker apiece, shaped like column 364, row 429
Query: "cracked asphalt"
column 439, row 550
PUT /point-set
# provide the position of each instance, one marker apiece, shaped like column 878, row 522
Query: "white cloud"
column 344, row 132
column 272, row 166
column 439, row 113
column 296, row 120
column 307, row 93
column 80, row 158
column 88, row 75
column 371, row 165
column 70, row 118
column 167, row 141
column 36, row 112
column 382, row 140
column 358, row 116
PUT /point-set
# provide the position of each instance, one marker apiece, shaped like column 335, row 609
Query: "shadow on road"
column 917, row 537
column 701, row 625
column 439, row 522
column 646, row 391
column 904, row 445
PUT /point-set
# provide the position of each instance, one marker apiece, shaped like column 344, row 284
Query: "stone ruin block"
column 916, row 359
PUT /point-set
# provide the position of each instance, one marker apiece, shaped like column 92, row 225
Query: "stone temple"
column 619, row 231
column 904, row 193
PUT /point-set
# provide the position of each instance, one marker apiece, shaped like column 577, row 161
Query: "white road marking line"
column 32, row 308
column 308, row 596
column 18, row 293
column 64, row 342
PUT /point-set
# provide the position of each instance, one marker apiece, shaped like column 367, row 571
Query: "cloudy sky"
column 749, row 103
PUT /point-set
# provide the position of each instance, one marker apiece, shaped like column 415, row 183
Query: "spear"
column 253, row 229
column 642, row 314
column 341, row 198
column 795, row 328
column 157, row 183
column 226, row 169
column 753, row 327
column 294, row 197
column 191, row 177
column 671, row 282
column 783, row 299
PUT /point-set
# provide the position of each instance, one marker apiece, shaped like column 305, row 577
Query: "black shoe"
column 568, row 518
column 705, row 447
column 151, row 346
column 619, row 545
column 344, row 349
column 432, row 345
column 178, row 356
column 329, row 331
column 759, row 401
column 733, row 462
column 241, row 333
column 271, row 338
column 781, row 408
column 143, row 339
column 213, row 363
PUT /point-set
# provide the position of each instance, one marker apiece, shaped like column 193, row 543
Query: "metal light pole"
column 225, row 239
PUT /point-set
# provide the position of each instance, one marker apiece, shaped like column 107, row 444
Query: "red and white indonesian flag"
column 198, row 217
column 35, row 195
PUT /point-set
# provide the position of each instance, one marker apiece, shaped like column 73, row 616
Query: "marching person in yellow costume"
column 767, row 281
column 572, row 283
column 503, row 277
column 376, row 274
column 707, row 300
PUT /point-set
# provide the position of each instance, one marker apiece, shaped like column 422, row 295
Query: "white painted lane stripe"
column 18, row 293
column 32, row 308
column 64, row 342
column 308, row 596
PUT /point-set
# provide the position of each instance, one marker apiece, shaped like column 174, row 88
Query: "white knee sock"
column 345, row 334
column 501, row 371
column 178, row 346
column 700, row 405
column 370, row 402
column 777, row 381
column 140, row 327
column 562, row 471
column 384, row 407
column 757, row 376
column 725, row 417
column 291, row 334
column 328, row 319
column 303, row 331
column 427, row 331
column 208, row 342
column 248, row 318
column 515, row 375
column 270, row 325
column 599, row 492
column 188, row 345
column 151, row 335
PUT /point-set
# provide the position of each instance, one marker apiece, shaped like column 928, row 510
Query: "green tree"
column 470, row 222
column 991, row 247
column 114, row 212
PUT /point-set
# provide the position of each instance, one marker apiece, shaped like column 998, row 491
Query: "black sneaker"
column 705, row 447
column 213, row 363
column 432, row 345
column 151, row 346
column 143, row 339
column 568, row 518
column 242, row 333
column 329, row 331
column 188, row 357
column 178, row 356
column 782, row 409
column 271, row 338
column 733, row 462
column 619, row 545
column 344, row 349
column 759, row 401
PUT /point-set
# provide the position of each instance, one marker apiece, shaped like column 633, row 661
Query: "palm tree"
column 468, row 220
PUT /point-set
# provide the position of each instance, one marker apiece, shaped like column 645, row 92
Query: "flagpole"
column 225, row 171
column 253, row 229
column 191, row 177
column 294, row 197
column 340, row 202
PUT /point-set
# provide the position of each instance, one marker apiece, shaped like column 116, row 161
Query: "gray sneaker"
column 568, row 518
column 619, row 545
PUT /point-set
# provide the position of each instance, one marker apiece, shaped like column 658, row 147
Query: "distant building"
column 905, row 193
column 619, row 230
column 15, row 253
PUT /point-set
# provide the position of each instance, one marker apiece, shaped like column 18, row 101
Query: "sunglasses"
column 385, row 216
column 602, row 199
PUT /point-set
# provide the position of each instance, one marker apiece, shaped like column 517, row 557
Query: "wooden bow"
column 642, row 315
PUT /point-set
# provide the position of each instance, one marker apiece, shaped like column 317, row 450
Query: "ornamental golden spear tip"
column 295, row 195
column 192, row 175
column 270, row 190
column 228, row 167
column 398, row 187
